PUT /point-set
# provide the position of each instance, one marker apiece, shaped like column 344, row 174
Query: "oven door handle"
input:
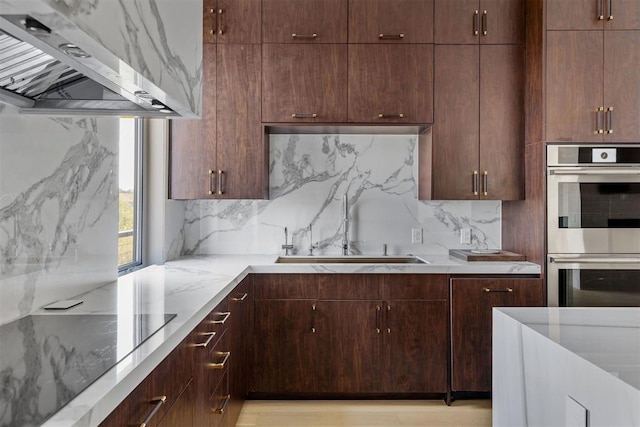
column 596, row 171
column 607, row 260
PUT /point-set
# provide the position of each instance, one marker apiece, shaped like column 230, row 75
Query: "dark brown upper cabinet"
column 593, row 15
column 390, row 21
column 476, row 150
column 231, row 21
column 593, row 86
column 223, row 155
column 479, row 21
column 304, row 83
column 390, row 83
column 304, row 21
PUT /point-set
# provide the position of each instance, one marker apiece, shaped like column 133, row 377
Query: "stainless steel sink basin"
column 352, row 259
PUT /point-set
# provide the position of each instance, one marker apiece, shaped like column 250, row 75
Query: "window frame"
column 139, row 130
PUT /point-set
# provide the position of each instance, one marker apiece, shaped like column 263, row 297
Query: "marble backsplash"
column 309, row 174
column 58, row 208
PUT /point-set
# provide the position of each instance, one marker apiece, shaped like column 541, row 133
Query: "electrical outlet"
column 465, row 236
column 416, row 235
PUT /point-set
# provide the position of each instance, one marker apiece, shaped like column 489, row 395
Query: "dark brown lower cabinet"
column 240, row 334
column 286, row 347
column 472, row 301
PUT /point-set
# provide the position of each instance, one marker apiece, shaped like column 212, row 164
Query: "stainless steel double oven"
column 593, row 225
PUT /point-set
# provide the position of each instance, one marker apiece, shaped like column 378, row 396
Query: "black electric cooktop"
column 46, row 360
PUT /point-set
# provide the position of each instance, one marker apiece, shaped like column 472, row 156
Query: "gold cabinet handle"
column 498, row 290
column 600, row 10
column 212, row 30
column 220, row 191
column 304, row 36
column 208, row 341
column 599, row 120
column 158, row 401
column 220, row 25
column 303, row 115
column 242, row 298
column 211, row 185
column 485, row 183
column 475, row 23
column 388, row 319
column 391, row 116
column 313, row 319
column 220, row 365
column 225, row 316
column 378, row 308
column 609, row 120
column 223, row 408
column 475, row 183
column 382, row 36
column 610, row 10
column 484, row 23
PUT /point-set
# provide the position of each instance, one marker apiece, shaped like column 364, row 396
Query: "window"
column 130, row 194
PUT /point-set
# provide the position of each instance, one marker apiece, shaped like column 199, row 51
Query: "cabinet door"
column 415, row 334
column 471, row 303
column 456, row 22
column 379, row 93
column 391, row 21
column 350, row 336
column 209, row 18
column 623, row 15
column 238, row 21
column 575, row 14
column 134, row 409
column 242, row 154
column 181, row 413
column 622, row 85
column 304, row 21
column 304, row 83
column 193, row 142
column 456, row 129
column 241, row 343
column 502, row 122
column 574, row 86
column 286, row 352
column 503, row 23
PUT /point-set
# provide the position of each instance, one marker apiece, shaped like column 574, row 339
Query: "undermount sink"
column 350, row 259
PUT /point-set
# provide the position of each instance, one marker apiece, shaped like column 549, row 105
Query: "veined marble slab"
column 558, row 366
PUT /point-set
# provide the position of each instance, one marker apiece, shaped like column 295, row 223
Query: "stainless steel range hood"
column 42, row 73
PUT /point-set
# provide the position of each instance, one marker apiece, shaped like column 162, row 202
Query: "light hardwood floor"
column 346, row 413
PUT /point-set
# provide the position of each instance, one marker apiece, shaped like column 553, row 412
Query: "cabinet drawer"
column 219, row 403
column 304, row 21
column 286, row 286
column 349, row 286
column 416, row 287
column 216, row 364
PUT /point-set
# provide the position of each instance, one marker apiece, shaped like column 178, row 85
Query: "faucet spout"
column 345, row 225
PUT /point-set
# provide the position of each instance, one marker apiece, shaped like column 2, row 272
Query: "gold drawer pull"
column 391, row 36
column 242, row 298
column 208, row 341
column 223, row 408
column 303, row 115
column 159, row 401
column 225, row 316
column 498, row 290
column 391, row 116
column 223, row 362
column 304, row 36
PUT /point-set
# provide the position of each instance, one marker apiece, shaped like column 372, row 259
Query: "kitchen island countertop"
column 191, row 287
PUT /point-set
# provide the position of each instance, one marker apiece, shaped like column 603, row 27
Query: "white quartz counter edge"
column 191, row 287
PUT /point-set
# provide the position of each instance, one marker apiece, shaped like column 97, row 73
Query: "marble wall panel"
column 310, row 174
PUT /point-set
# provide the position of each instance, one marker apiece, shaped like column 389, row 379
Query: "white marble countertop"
column 191, row 287
column 608, row 337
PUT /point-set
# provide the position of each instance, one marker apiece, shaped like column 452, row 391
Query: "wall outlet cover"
column 416, row 235
column 465, row 236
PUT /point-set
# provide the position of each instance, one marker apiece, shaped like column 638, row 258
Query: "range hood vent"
column 42, row 73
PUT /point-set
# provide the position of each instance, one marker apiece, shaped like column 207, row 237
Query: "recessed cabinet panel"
column 391, row 21
column 455, row 129
column 457, row 22
column 238, row 21
column 622, row 86
column 304, row 83
column 304, row 21
column 501, row 122
column 574, row 86
column 503, row 22
column 390, row 83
